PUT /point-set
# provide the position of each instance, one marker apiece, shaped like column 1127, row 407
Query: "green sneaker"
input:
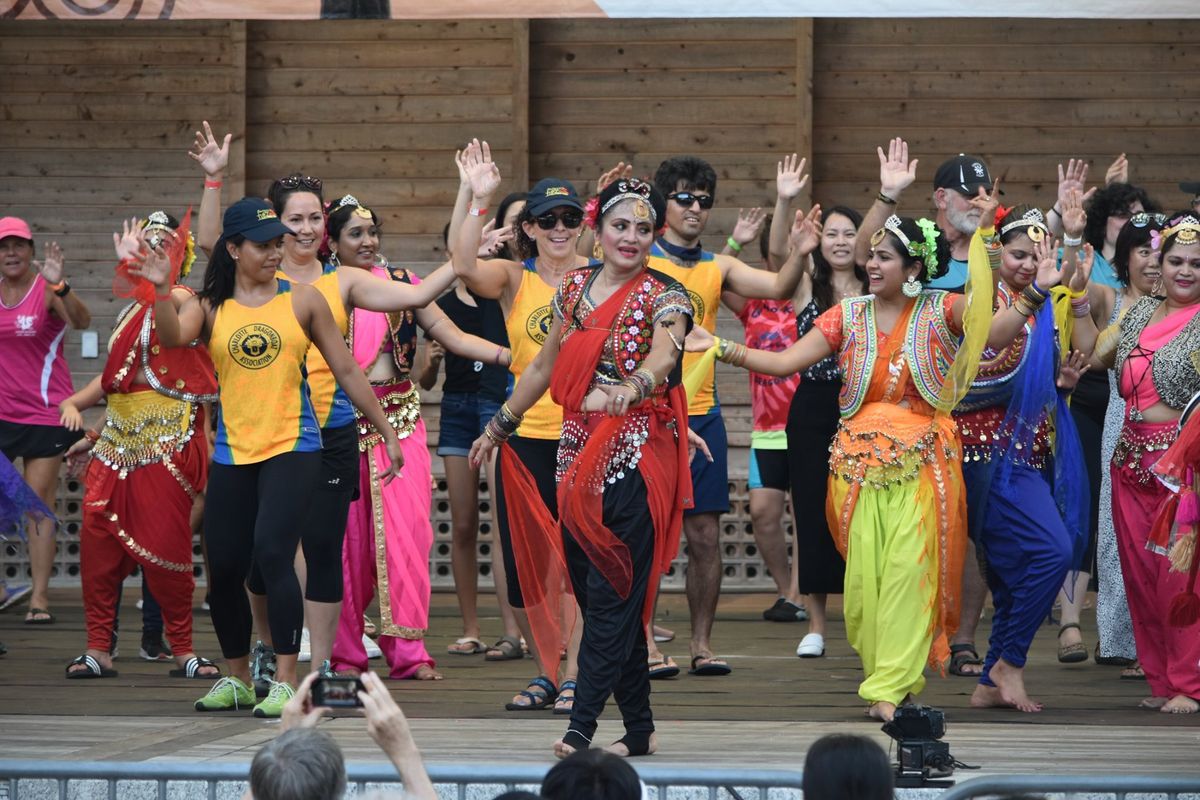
column 227, row 694
column 277, row 698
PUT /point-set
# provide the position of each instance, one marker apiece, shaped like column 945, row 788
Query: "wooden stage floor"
column 763, row 715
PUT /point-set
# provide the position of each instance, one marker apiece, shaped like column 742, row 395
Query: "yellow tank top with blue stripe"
column 703, row 284
column 528, row 325
column 329, row 401
column 265, row 408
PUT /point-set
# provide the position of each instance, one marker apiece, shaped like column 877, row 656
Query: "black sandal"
column 962, row 655
column 537, row 701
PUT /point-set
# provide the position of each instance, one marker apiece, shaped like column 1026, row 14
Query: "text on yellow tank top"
column 259, row 354
column 703, row 284
column 528, row 325
column 332, row 407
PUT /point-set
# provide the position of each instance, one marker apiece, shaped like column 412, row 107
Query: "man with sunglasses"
column 690, row 185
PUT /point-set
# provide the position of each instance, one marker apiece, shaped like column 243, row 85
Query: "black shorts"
column 339, row 459
column 769, row 470
column 35, row 441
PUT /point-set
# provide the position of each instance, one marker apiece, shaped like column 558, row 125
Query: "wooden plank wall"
column 1023, row 94
column 98, row 118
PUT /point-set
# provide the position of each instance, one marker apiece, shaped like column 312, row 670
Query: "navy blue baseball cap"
column 551, row 193
column 255, row 219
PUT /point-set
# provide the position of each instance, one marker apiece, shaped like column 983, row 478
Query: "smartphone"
column 337, row 692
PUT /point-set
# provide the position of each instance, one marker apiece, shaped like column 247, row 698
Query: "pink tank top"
column 35, row 377
column 770, row 325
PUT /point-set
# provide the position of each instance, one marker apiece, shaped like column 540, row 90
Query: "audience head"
column 16, row 247
column 690, row 184
column 517, row 794
column 298, row 201
column 954, row 184
column 299, row 764
column 839, row 229
column 354, row 233
column 592, row 775
column 847, row 767
column 1110, row 208
column 555, row 203
column 1135, row 258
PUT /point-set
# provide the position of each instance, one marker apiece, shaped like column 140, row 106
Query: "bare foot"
column 1153, row 703
column 622, row 750
column 1010, row 685
column 1180, row 704
column 426, row 673
column 562, row 749
column 663, row 634
column 882, row 710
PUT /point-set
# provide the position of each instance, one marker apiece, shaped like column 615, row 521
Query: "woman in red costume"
column 149, row 460
column 623, row 478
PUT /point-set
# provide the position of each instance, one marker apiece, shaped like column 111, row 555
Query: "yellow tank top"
column 330, row 403
column 703, row 284
column 528, row 324
column 259, row 354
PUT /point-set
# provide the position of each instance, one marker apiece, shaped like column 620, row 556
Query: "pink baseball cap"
column 14, row 226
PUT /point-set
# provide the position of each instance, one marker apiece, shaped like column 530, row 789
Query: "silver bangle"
column 1069, row 242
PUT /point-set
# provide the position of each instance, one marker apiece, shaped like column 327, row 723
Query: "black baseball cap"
column 255, row 219
column 964, row 174
column 551, row 193
column 1192, row 188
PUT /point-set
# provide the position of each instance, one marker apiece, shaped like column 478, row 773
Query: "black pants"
column 612, row 656
column 1089, row 405
column 811, row 426
column 254, row 514
column 540, row 457
column 324, row 527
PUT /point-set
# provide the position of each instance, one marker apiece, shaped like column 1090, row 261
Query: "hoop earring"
column 1157, row 288
column 911, row 287
column 597, row 252
column 333, row 259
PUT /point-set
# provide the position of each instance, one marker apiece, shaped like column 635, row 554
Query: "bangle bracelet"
column 1054, row 210
column 91, row 436
column 1069, row 241
column 883, row 198
column 1081, row 310
column 477, row 211
column 500, row 356
column 733, row 245
column 62, row 288
column 211, row 184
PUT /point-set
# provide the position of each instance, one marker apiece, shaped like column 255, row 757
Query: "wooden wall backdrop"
column 98, row 116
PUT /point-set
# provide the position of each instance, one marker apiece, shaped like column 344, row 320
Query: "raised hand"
column 698, row 340
column 790, row 179
column 621, row 171
column 154, row 265
column 1079, row 271
column 1045, row 253
column 213, row 157
column 463, row 180
column 1118, row 171
column 987, row 203
column 482, row 173
column 299, row 712
column 896, row 172
column 806, row 231
column 749, row 225
column 52, row 266
column 494, row 238
column 1071, row 370
column 1074, row 218
column 129, row 241
column 1073, row 178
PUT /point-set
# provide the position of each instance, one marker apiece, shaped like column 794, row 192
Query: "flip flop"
column 662, row 668
column 191, row 669
column 94, row 669
column 39, row 616
column 712, row 666
column 476, row 647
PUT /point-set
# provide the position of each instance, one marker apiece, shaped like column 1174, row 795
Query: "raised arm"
column 176, row 326
column 64, row 301
column 372, row 293
column 314, row 316
column 749, row 282
column 213, row 158
column 442, row 330
column 811, row 348
column 487, row 278
column 896, row 173
column 1072, row 178
column 790, row 181
column 461, row 203
column 749, row 225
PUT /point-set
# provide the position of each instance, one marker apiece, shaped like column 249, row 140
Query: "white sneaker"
column 372, row 649
column 305, row 647
column 811, row 646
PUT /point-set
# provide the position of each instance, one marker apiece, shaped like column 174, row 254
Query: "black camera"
column 336, row 692
column 921, row 757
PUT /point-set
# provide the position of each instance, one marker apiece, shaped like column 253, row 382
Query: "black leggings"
column 540, row 457
column 323, row 529
column 254, row 513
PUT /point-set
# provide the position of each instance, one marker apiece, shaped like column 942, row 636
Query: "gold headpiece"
column 359, row 209
column 1034, row 223
column 1186, row 230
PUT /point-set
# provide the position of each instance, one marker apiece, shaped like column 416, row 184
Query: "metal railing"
column 1118, row 786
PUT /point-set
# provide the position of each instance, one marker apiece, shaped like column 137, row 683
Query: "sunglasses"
column 570, row 219
column 301, row 182
column 1142, row 219
column 686, row 199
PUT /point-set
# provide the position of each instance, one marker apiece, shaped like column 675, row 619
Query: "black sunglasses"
column 686, row 199
column 571, row 219
column 1142, row 219
column 301, row 182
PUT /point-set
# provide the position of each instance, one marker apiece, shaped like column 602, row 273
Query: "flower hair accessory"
column 1034, row 223
column 1156, row 240
column 925, row 250
column 1001, row 213
column 591, row 213
column 929, row 255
